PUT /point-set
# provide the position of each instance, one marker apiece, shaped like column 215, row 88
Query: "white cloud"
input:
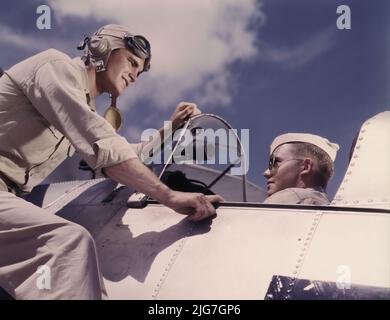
column 132, row 133
column 193, row 43
column 10, row 37
column 301, row 54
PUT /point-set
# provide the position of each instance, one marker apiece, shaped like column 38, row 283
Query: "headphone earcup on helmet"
column 98, row 46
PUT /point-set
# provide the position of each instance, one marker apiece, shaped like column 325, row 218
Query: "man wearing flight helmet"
column 46, row 112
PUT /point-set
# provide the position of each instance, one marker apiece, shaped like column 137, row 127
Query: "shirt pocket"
column 32, row 140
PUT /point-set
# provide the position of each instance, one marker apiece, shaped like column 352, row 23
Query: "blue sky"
column 272, row 66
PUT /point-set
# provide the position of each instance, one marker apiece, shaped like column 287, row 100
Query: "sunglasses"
column 274, row 163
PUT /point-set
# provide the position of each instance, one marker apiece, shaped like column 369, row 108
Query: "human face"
column 123, row 69
column 286, row 172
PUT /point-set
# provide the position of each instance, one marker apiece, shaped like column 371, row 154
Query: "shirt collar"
column 90, row 100
column 318, row 188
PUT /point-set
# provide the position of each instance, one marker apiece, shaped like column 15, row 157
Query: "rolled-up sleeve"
column 57, row 94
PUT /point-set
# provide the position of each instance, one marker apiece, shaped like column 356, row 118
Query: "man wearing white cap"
column 299, row 169
column 46, row 113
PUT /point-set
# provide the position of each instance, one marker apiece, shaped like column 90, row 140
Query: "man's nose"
column 133, row 77
column 267, row 173
column 133, row 74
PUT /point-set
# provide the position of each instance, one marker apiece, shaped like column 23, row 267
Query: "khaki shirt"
column 313, row 196
column 46, row 113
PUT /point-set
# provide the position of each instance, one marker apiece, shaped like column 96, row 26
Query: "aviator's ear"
column 307, row 166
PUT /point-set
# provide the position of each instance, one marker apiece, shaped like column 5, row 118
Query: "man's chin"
column 271, row 191
column 116, row 92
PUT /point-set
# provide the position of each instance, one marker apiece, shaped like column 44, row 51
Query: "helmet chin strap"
column 113, row 115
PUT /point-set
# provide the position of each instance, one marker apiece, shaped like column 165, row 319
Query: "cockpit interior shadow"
column 124, row 255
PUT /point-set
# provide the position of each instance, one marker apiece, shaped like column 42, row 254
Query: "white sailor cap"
column 322, row 143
